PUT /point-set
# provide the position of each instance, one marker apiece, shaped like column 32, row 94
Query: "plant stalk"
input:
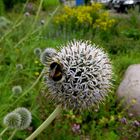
column 54, row 114
column 3, row 131
column 32, row 86
column 14, row 132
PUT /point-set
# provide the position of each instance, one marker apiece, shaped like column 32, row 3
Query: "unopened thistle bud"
column 17, row 90
column 19, row 67
column 47, row 56
column 79, row 76
column 12, row 120
column 25, row 117
column 37, row 52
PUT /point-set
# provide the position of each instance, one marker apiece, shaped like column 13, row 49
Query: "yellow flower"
column 36, row 62
column 103, row 120
column 96, row 6
column 119, row 116
column 36, row 73
column 133, row 101
column 112, row 118
column 84, row 16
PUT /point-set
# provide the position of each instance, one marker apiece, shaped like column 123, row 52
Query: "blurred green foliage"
column 10, row 3
column 2, row 7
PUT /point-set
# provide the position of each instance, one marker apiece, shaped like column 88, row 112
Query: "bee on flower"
column 78, row 76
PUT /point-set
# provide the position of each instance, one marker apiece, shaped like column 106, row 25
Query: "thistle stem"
column 38, row 11
column 36, row 30
column 17, row 23
column 55, row 113
column 27, row 91
column 3, row 131
column 14, row 132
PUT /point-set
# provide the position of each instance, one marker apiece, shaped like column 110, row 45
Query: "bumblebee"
column 56, row 72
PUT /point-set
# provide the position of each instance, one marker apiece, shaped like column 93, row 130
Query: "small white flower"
column 26, row 117
column 12, row 120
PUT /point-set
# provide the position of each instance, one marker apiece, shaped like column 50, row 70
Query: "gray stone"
column 129, row 89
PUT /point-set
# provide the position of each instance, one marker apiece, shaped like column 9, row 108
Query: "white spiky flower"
column 26, row 117
column 86, row 76
column 47, row 56
column 12, row 120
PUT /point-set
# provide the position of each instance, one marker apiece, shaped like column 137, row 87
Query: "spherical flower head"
column 37, row 52
column 26, row 117
column 12, row 120
column 17, row 90
column 47, row 56
column 86, row 75
column 19, row 67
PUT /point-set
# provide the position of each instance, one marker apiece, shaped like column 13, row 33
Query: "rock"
column 129, row 89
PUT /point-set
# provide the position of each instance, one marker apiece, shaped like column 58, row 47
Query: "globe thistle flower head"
column 37, row 52
column 47, row 56
column 12, row 120
column 19, row 67
column 17, row 90
column 86, row 76
column 25, row 117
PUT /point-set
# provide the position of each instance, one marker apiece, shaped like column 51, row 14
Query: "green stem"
column 25, row 92
column 35, row 30
column 38, row 11
column 30, row 87
column 3, row 131
column 29, row 33
column 14, row 132
column 55, row 113
column 9, row 31
column 17, row 23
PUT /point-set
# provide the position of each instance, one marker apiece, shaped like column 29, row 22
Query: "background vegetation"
column 22, row 30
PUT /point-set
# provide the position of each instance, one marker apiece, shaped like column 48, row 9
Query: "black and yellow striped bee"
column 56, row 72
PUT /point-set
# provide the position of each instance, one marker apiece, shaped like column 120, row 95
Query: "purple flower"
column 136, row 123
column 123, row 120
column 76, row 128
column 29, row 6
